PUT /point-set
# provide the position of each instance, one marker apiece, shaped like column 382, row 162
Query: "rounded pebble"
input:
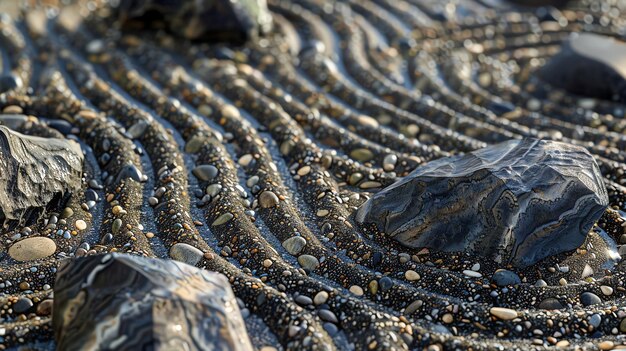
column 268, row 199
column 80, row 224
column 356, row 290
column 589, row 298
column 223, row 219
column 308, row 262
column 503, row 313
column 205, row 172
column 328, row 316
column 22, row 305
column 411, row 275
column 294, row 245
column 186, row 253
column 550, row 303
column 320, row 298
column 31, row 249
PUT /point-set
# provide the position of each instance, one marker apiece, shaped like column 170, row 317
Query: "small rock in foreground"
column 148, row 303
column 517, row 202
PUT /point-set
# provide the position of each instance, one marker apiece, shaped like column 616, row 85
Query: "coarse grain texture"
column 252, row 159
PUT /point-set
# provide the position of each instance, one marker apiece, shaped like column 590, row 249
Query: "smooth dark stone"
column 107, row 238
column 22, row 305
column 503, row 277
column 64, row 127
column 377, row 258
column 590, row 65
column 230, row 20
column 35, row 173
column 501, row 107
column 589, row 298
column 9, row 82
column 91, row 195
column 331, row 329
column 515, row 202
column 150, row 304
column 385, row 283
column 550, row 303
column 130, row 171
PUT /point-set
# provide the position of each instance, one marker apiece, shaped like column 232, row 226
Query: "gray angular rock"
column 150, row 304
column 35, row 172
column 235, row 20
column 517, row 202
column 589, row 65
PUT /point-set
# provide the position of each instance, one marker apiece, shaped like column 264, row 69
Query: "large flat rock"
column 519, row 201
column 34, row 172
column 124, row 302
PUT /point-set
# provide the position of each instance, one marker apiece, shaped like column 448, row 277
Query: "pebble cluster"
column 251, row 161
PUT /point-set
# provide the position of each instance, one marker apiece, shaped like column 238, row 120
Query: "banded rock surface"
column 124, row 302
column 519, row 201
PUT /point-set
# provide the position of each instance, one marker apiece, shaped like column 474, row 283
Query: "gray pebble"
column 205, row 172
column 130, row 171
column 153, row 201
column 137, row 129
column 186, row 253
column 308, row 262
column 550, row 304
column 595, row 320
column 294, row 245
column 328, row 316
column 331, row 329
column 213, row 189
column 304, row 300
column 268, row 199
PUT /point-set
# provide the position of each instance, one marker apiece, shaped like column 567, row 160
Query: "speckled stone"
column 33, row 248
column 294, row 245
